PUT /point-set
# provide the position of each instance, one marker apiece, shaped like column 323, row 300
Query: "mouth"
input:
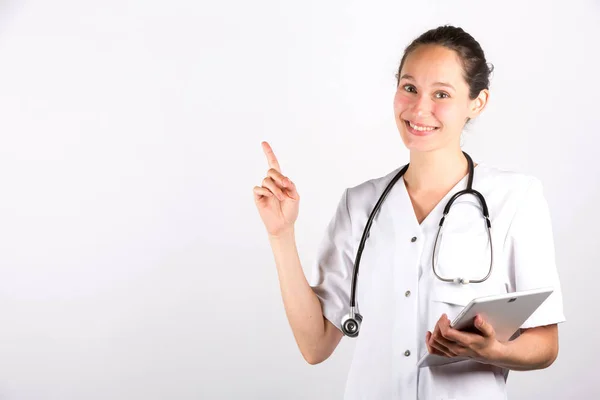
column 420, row 130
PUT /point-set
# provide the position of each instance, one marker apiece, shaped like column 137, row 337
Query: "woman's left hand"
column 448, row 342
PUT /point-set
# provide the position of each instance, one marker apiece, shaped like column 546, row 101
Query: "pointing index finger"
column 273, row 163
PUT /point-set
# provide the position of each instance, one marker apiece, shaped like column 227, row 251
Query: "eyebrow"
column 407, row 76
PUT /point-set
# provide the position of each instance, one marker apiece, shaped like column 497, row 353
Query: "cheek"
column 447, row 113
column 401, row 103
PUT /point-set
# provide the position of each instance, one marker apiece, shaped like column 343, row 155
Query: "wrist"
column 501, row 354
column 497, row 353
column 285, row 235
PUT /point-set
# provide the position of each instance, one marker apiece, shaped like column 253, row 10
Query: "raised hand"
column 277, row 199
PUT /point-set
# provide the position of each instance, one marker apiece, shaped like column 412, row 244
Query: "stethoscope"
column 351, row 321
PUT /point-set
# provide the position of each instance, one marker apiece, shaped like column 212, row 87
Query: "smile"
column 419, row 130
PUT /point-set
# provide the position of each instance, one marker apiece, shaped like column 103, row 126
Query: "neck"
column 435, row 171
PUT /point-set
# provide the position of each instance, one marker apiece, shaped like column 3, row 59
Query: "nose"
column 422, row 106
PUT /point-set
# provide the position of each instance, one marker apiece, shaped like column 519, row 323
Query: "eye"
column 408, row 87
column 445, row 95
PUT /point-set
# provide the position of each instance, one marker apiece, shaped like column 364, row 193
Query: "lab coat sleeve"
column 332, row 270
column 532, row 257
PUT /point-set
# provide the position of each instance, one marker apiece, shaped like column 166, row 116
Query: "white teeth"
column 421, row 129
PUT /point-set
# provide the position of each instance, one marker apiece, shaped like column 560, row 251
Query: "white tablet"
column 506, row 312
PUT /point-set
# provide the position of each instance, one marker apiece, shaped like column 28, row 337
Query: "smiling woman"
column 442, row 84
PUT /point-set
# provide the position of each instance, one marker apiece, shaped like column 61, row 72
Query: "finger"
column 272, row 186
column 462, row 338
column 278, row 177
column 447, row 344
column 437, row 352
column 272, row 160
column 291, row 191
column 440, row 348
column 436, row 329
column 444, row 325
column 456, row 336
column 427, row 338
column 437, row 340
column 287, row 186
column 260, row 192
column 484, row 327
column 458, row 350
column 430, row 349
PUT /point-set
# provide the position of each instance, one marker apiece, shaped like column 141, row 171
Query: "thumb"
column 484, row 327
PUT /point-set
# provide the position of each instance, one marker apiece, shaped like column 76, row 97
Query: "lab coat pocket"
column 463, row 255
column 450, row 299
column 453, row 293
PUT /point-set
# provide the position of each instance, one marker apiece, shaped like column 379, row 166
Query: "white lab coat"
column 399, row 296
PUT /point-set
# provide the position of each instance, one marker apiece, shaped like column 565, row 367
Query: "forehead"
column 431, row 63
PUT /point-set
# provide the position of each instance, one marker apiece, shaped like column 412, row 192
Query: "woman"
column 442, row 83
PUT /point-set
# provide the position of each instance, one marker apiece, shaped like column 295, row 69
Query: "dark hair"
column 476, row 70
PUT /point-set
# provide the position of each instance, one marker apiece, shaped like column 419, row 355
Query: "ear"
column 478, row 104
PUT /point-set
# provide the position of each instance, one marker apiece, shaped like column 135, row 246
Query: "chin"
column 422, row 144
column 422, row 148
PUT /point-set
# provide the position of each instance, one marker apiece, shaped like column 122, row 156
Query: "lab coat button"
column 414, row 239
column 407, row 353
column 407, row 294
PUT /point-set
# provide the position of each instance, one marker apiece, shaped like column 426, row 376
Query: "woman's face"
column 433, row 95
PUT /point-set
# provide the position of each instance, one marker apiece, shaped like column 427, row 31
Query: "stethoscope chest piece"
column 351, row 323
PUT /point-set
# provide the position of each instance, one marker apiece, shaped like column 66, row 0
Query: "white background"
column 133, row 263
